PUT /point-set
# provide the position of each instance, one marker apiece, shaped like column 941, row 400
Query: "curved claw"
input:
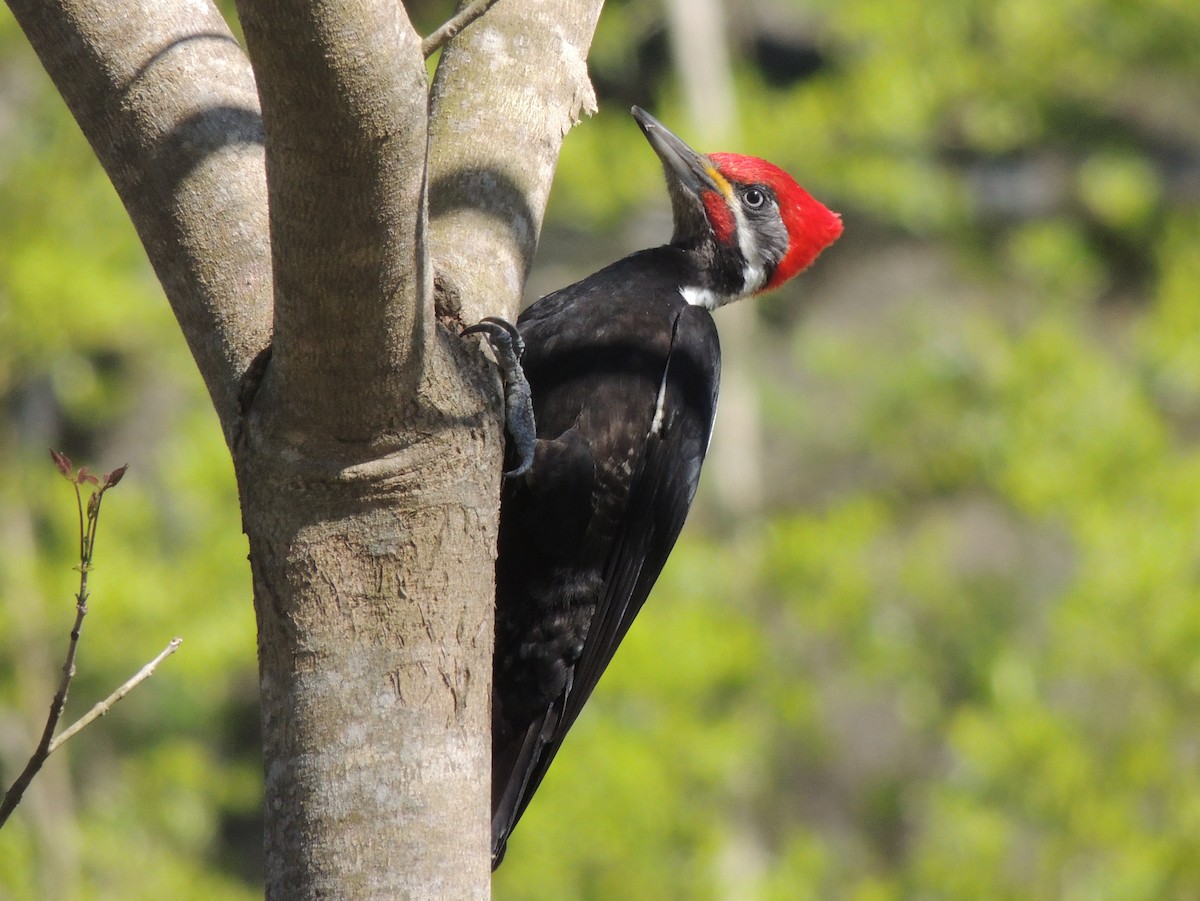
column 508, row 347
column 514, row 333
column 496, row 327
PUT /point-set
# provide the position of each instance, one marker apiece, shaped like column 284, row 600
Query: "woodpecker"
column 622, row 370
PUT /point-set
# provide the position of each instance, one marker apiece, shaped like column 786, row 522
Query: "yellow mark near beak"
column 720, row 180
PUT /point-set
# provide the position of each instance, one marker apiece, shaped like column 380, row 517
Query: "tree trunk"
column 365, row 434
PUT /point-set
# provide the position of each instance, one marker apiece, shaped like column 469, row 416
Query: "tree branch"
column 36, row 760
column 104, row 706
column 344, row 95
column 166, row 98
column 89, row 523
column 506, row 93
column 448, row 30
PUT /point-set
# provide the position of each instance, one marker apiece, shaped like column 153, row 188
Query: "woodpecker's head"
column 749, row 222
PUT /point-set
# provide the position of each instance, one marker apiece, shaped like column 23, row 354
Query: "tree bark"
column 494, row 143
column 367, row 441
column 166, row 98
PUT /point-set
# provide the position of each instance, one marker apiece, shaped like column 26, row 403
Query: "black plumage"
column 584, row 536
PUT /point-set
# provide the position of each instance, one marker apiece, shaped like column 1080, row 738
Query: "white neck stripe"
column 703, row 297
column 753, row 276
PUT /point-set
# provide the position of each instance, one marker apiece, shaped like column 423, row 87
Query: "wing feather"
column 661, row 492
column 659, row 499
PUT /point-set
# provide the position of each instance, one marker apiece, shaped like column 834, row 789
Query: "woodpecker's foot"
column 508, row 347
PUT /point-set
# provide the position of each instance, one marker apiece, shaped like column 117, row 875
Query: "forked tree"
column 324, row 219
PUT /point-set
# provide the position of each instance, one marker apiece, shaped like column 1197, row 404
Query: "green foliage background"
column 958, row 653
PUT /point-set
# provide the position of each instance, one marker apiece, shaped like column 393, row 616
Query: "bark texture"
column 166, row 98
column 494, row 143
column 367, row 440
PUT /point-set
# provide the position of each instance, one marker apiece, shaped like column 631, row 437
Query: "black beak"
column 682, row 161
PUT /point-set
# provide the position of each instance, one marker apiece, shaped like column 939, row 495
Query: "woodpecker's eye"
column 754, row 198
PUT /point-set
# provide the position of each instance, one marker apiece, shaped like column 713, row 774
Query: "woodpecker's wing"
column 659, row 498
column 624, row 378
column 661, row 490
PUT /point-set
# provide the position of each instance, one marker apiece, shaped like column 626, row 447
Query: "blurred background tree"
column 950, row 649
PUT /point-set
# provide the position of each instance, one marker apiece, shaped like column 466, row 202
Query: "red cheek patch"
column 720, row 217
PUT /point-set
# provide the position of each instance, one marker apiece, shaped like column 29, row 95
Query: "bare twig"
column 448, row 30
column 104, row 706
column 17, row 790
column 88, row 523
